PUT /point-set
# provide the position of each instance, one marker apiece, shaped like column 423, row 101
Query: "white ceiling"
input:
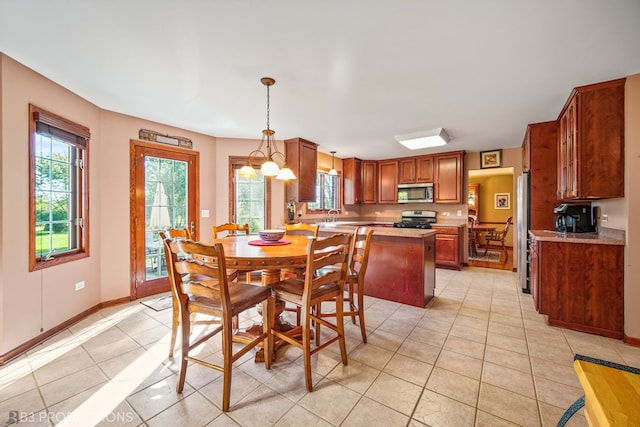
column 350, row 74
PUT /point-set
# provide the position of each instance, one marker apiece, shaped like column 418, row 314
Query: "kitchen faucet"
column 331, row 215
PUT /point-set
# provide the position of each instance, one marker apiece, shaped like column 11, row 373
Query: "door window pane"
column 166, row 189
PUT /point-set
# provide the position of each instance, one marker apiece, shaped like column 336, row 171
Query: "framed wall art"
column 491, row 159
column 502, row 200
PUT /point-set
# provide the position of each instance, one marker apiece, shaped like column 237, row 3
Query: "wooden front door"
column 164, row 188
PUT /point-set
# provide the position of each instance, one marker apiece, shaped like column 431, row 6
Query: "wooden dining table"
column 249, row 253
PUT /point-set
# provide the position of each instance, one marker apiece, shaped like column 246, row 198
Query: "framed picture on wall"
column 502, row 200
column 491, row 159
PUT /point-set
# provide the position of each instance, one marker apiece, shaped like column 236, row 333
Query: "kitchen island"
column 401, row 261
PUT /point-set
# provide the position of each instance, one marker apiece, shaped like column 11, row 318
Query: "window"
column 327, row 193
column 249, row 198
column 58, row 196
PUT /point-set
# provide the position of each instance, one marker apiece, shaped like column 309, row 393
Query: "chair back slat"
column 331, row 251
column 229, row 229
column 192, row 260
column 302, row 228
column 359, row 252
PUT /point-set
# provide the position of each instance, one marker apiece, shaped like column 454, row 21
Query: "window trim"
column 74, row 134
column 338, row 193
column 234, row 162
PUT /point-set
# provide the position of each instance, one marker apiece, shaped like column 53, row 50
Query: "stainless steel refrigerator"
column 522, row 228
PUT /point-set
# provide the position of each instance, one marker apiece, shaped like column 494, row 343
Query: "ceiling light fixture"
column 333, row 170
column 425, row 139
column 269, row 167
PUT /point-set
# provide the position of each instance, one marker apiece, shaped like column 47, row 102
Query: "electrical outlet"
column 459, row 213
column 604, row 217
column 80, row 285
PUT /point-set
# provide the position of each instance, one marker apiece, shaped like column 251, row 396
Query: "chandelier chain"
column 268, row 108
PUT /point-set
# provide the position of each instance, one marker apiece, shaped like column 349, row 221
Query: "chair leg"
column 227, row 349
column 184, row 352
column 360, row 310
column 175, row 322
column 340, row 326
column 317, row 311
column 306, row 348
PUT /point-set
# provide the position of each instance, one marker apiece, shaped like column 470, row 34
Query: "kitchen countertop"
column 606, row 236
column 381, row 228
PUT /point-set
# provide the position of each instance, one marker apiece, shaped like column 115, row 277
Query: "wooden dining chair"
column 173, row 233
column 354, row 282
column 318, row 284
column 298, row 228
column 218, row 298
column 473, row 238
column 302, row 228
column 498, row 236
column 229, row 229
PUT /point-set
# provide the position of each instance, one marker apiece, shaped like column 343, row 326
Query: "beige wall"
column 32, row 302
column 35, row 301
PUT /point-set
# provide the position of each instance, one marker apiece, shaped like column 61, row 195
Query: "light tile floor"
column 478, row 355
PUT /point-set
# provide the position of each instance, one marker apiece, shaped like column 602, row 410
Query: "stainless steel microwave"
column 415, row 193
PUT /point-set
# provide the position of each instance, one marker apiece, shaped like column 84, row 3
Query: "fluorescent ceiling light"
column 425, row 139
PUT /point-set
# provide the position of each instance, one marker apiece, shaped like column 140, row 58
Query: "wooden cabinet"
column 472, row 199
column 387, row 181
column 590, row 143
column 413, row 170
column 352, row 189
column 580, row 286
column 424, row 169
column 539, row 147
column 448, row 180
column 407, row 170
column 449, row 247
column 370, row 182
column 302, row 158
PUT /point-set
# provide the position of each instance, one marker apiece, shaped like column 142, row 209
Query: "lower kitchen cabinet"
column 579, row 286
column 449, row 247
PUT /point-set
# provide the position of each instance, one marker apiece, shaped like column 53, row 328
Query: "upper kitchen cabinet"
column 302, row 158
column 590, row 144
column 415, row 169
column 448, row 169
column 539, row 150
column 370, row 182
column 387, row 181
column 352, row 189
column 359, row 181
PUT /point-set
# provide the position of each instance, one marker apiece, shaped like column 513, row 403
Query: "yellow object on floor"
column 612, row 393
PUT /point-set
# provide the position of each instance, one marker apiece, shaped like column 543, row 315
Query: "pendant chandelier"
column 267, row 150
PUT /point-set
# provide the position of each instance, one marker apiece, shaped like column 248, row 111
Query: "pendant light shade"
column 333, row 170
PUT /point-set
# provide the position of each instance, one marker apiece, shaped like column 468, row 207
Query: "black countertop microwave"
column 415, row 193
